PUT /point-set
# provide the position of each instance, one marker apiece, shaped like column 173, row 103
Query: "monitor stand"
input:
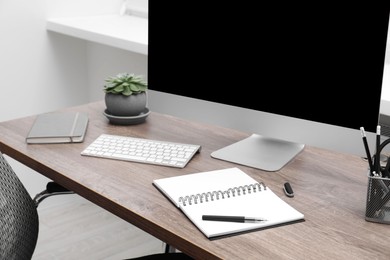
column 260, row 152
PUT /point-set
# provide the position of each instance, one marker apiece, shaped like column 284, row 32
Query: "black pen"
column 241, row 219
column 369, row 158
column 377, row 164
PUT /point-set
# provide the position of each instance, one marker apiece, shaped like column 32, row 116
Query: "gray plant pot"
column 120, row 105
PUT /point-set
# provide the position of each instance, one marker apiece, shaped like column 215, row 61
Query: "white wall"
column 33, row 76
column 385, row 103
column 42, row 71
column 104, row 61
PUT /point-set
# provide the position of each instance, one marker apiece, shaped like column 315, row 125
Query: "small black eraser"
column 288, row 190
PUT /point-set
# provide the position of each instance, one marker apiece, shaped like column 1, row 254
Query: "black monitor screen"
column 321, row 62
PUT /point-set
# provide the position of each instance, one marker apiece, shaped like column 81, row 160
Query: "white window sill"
column 124, row 32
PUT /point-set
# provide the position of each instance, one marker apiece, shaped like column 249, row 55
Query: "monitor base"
column 260, row 152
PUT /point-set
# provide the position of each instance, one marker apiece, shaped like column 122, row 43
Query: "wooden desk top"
column 330, row 190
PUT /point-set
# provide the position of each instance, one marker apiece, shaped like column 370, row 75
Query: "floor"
column 73, row 228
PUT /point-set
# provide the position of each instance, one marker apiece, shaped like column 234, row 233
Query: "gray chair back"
column 19, row 222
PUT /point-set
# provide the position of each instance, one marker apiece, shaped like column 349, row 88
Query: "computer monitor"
column 320, row 62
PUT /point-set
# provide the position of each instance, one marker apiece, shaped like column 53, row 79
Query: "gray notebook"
column 58, row 127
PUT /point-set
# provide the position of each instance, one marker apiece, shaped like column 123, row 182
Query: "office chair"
column 19, row 224
column 19, row 220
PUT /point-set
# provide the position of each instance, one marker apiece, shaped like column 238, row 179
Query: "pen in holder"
column 378, row 188
column 378, row 197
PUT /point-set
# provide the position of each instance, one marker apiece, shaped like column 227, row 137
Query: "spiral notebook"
column 227, row 192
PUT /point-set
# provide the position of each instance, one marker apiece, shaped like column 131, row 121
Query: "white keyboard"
column 141, row 150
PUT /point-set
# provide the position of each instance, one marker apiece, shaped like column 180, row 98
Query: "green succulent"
column 125, row 84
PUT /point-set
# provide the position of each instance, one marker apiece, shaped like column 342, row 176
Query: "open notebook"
column 228, row 192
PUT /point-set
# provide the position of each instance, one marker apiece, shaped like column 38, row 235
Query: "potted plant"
column 125, row 95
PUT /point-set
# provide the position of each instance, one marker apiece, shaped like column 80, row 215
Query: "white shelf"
column 124, row 32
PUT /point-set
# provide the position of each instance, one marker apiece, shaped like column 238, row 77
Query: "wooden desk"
column 330, row 189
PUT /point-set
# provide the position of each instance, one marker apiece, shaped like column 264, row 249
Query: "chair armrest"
column 52, row 188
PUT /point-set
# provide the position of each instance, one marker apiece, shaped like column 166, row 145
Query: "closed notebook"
column 58, row 127
column 227, row 192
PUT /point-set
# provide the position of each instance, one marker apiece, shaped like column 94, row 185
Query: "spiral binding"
column 216, row 195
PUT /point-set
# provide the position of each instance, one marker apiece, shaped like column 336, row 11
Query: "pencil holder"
column 378, row 197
